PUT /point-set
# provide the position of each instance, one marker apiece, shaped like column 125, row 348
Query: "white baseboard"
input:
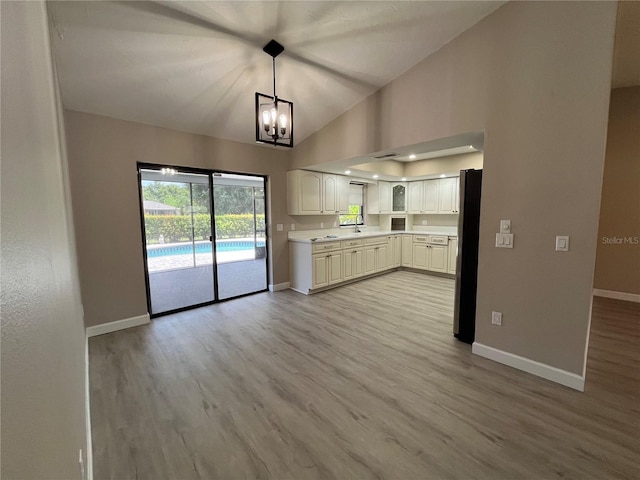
column 629, row 297
column 118, row 325
column 278, row 286
column 87, row 408
column 554, row 374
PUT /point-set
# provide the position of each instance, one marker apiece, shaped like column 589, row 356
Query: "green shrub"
column 178, row 228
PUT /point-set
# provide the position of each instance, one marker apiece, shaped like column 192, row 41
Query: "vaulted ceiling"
column 194, row 66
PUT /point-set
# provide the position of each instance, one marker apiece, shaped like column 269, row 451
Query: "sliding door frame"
column 210, row 173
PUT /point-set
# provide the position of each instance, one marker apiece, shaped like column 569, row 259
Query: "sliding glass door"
column 177, row 222
column 239, row 206
column 184, row 266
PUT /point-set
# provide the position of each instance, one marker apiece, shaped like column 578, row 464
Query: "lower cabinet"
column 376, row 258
column 352, row 264
column 321, row 265
column 438, row 258
column 453, row 255
column 407, row 251
column 327, row 269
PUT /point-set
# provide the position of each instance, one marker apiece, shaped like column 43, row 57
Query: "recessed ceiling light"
column 442, row 175
column 412, row 156
column 376, row 176
column 347, row 172
column 404, row 179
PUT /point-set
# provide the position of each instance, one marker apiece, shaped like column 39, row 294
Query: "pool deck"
column 173, row 262
column 186, row 260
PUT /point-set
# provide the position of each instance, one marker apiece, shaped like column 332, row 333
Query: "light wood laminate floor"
column 364, row 381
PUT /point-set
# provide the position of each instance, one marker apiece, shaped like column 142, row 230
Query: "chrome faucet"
column 356, row 229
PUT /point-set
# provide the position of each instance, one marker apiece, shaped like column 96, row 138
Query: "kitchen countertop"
column 352, row 235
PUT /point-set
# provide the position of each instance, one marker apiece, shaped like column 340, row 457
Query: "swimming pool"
column 202, row 247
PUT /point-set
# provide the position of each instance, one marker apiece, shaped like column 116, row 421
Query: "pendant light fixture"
column 274, row 116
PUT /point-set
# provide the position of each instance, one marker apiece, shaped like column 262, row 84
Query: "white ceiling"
column 194, row 66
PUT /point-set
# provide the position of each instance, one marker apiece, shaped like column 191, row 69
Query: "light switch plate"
column 562, row 243
column 279, row 227
column 496, row 318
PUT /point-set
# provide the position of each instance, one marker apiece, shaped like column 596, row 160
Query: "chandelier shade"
column 274, row 116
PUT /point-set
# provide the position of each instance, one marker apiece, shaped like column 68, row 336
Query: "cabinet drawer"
column 420, row 238
column 439, row 239
column 351, row 243
column 326, row 247
column 374, row 240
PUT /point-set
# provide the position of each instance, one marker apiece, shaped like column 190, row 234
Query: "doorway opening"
column 204, row 236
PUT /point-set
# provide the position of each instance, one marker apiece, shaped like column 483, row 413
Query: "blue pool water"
column 201, row 247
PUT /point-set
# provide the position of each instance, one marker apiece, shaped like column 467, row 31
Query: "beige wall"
column 43, row 340
column 102, row 155
column 618, row 264
column 535, row 77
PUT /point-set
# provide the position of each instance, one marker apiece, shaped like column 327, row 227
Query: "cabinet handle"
column 355, row 251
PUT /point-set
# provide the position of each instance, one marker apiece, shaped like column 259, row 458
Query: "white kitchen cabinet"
column 352, row 264
column 399, row 197
column 343, row 194
column 320, row 268
column 329, row 193
column 414, row 197
column 438, row 258
column 420, row 255
column 407, row 250
column 447, row 195
column 327, row 269
column 379, row 198
column 376, row 255
column 453, row 255
column 304, row 192
column 314, row 193
column 397, row 251
column 431, row 196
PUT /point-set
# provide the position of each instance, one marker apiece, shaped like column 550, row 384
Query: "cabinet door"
column 397, row 251
column 352, row 264
column 330, row 194
column 438, row 259
column 407, row 251
column 347, row 265
column 357, row 258
column 382, row 258
column 447, row 194
column 320, row 271
column 414, row 197
column 399, row 197
column 453, row 255
column 335, row 268
column 369, row 260
column 343, row 194
column 430, row 196
column 384, row 201
column 310, row 193
column 420, row 255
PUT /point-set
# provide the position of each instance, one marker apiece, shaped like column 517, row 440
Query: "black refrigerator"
column 464, row 312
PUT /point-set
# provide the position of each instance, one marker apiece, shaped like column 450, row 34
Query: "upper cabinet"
column 448, row 195
column 379, row 198
column 433, row 196
column 399, row 197
column 314, row 193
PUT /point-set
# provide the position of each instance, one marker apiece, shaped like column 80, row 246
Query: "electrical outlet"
column 293, row 226
column 321, row 224
column 424, row 222
column 335, row 224
column 279, row 227
column 496, row 318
